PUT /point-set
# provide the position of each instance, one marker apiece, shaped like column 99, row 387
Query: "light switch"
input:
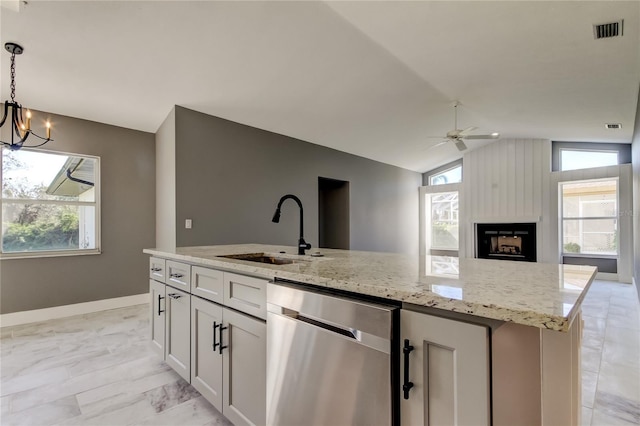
column 187, row 223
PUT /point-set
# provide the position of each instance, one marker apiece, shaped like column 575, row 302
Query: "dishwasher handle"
column 325, row 326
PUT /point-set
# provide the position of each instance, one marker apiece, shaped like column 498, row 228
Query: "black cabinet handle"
column 174, row 296
column 406, row 350
column 176, row 275
column 156, row 269
column 159, row 299
column 215, row 342
column 221, row 330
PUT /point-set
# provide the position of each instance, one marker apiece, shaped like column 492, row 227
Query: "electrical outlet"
column 187, row 223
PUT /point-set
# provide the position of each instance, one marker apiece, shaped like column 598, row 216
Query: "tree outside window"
column 49, row 203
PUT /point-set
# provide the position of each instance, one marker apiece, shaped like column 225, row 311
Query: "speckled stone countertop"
column 541, row 295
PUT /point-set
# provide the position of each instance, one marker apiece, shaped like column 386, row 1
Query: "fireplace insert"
column 506, row 241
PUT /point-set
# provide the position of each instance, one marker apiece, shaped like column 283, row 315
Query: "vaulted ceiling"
column 376, row 79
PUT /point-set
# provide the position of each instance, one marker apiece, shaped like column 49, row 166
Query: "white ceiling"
column 374, row 79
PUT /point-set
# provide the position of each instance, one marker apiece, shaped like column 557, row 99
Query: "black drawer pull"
column 174, row 296
column 406, row 350
column 156, row 269
column 176, row 275
column 221, row 330
column 159, row 299
column 215, row 342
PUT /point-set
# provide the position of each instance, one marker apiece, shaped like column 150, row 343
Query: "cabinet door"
column 206, row 360
column 244, row 369
column 157, row 318
column 449, row 369
column 207, row 283
column 178, row 338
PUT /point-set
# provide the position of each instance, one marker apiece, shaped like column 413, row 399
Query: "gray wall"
column 635, row 148
column 229, row 178
column 127, row 162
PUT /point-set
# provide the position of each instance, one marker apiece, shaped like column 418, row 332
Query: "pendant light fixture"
column 13, row 114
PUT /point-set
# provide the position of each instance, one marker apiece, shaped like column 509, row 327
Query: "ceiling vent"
column 613, row 126
column 612, row 29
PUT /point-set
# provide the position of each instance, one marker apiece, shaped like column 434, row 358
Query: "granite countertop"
column 541, row 295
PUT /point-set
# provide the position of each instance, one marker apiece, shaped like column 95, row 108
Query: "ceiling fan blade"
column 439, row 144
column 460, row 145
column 467, row 130
column 491, row 136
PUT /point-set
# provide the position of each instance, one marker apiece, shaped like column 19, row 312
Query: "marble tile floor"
column 611, row 355
column 98, row 369
column 94, row 369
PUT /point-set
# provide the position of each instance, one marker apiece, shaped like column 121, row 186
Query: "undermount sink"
column 261, row 258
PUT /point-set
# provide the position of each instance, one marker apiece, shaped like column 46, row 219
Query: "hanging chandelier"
column 13, row 114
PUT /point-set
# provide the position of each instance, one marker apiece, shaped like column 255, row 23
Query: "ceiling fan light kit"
column 20, row 123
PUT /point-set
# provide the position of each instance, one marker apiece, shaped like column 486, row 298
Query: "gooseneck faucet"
column 302, row 244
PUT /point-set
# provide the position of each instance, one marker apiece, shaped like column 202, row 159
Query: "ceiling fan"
column 458, row 136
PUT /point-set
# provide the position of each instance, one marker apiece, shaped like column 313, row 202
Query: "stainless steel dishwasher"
column 330, row 359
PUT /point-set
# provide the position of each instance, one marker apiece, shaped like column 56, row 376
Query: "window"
column 589, row 217
column 49, row 203
column 439, row 220
column 584, row 155
column 444, row 220
column 574, row 159
column 450, row 175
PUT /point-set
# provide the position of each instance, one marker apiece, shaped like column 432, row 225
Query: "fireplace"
column 506, row 241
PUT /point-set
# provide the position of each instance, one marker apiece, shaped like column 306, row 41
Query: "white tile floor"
column 97, row 369
column 611, row 355
column 94, row 369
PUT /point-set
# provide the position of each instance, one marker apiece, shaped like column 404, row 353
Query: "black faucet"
column 302, row 244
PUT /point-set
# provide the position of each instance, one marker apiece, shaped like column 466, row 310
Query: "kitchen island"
column 529, row 312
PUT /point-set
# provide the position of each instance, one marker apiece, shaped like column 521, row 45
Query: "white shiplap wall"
column 505, row 181
column 511, row 181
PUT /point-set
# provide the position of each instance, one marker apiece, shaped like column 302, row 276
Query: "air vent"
column 612, row 29
column 613, row 126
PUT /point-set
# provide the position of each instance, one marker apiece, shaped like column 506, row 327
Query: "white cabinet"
column 157, row 269
column 244, row 369
column 447, row 376
column 178, row 337
column 246, row 294
column 228, row 361
column 206, row 361
column 207, row 283
column 157, row 316
column 178, row 275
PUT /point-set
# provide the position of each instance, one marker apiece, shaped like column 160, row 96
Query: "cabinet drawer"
column 246, row 294
column 178, row 275
column 207, row 283
column 157, row 269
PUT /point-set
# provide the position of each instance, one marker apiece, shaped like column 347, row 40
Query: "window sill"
column 37, row 255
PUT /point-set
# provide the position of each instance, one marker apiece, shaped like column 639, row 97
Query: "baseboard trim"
column 37, row 315
column 607, row 276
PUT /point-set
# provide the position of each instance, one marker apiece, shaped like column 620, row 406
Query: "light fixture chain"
column 13, row 77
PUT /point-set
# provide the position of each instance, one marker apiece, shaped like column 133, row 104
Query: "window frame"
column 623, row 150
column 563, row 218
column 601, row 151
column 96, row 204
column 425, row 224
column 441, row 170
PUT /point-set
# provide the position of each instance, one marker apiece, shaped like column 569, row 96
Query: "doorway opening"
column 333, row 213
